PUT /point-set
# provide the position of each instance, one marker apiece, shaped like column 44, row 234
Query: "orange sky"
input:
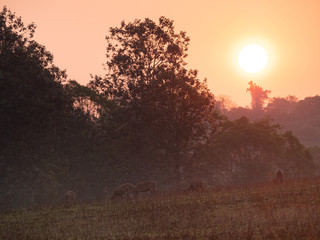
column 74, row 31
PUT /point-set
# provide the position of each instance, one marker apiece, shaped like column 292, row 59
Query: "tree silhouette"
column 34, row 111
column 250, row 151
column 258, row 96
column 165, row 105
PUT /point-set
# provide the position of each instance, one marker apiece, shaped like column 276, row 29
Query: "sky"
column 74, row 32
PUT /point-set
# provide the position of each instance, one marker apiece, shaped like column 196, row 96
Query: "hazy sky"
column 74, row 32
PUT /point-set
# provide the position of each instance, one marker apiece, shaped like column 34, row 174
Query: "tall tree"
column 258, row 96
column 31, row 92
column 34, row 109
column 166, row 105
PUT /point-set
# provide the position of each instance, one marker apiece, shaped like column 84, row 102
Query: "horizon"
column 74, row 32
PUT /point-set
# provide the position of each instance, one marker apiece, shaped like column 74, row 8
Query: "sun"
column 253, row 58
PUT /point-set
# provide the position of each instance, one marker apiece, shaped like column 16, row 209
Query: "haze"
column 74, row 31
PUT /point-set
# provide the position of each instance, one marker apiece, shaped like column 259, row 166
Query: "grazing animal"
column 125, row 191
column 279, row 176
column 69, row 198
column 197, row 185
column 147, row 186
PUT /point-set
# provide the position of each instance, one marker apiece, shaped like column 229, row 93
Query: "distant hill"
column 301, row 117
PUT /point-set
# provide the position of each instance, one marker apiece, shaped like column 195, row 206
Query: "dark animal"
column 196, row 185
column 147, row 186
column 125, row 191
column 69, row 198
column 279, row 177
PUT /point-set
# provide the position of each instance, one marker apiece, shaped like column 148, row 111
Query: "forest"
column 147, row 118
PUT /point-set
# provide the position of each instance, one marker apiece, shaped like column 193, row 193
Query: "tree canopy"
column 252, row 151
column 31, row 93
column 258, row 96
column 37, row 117
column 166, row 104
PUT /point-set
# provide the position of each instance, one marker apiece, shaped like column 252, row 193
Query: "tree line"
column 147, row 117
column 302, row 117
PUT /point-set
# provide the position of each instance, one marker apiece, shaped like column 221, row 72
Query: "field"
column 264, row 211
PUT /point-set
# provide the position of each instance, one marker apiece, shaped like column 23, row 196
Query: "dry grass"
column 289, row 211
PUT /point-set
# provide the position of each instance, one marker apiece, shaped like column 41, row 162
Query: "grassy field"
column 265, row 211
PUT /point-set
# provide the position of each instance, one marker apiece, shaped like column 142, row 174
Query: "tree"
column 31, row 92
column 165, row 106
column 34, row 110
column 86, row 100
column 224, row 104
column 250, row 151
column 258, row 96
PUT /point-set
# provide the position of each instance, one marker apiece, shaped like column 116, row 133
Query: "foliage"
column 39, row 127
column 251, row 152
column 33, row 110
column 302, row 117
column 32, row 96
column 164, row 107
column 224, row 104
column 258, row 96
column 87, row 100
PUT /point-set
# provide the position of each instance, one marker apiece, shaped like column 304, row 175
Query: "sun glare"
column 253, row 58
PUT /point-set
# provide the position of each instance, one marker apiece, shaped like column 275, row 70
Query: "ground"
column 262, row 211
